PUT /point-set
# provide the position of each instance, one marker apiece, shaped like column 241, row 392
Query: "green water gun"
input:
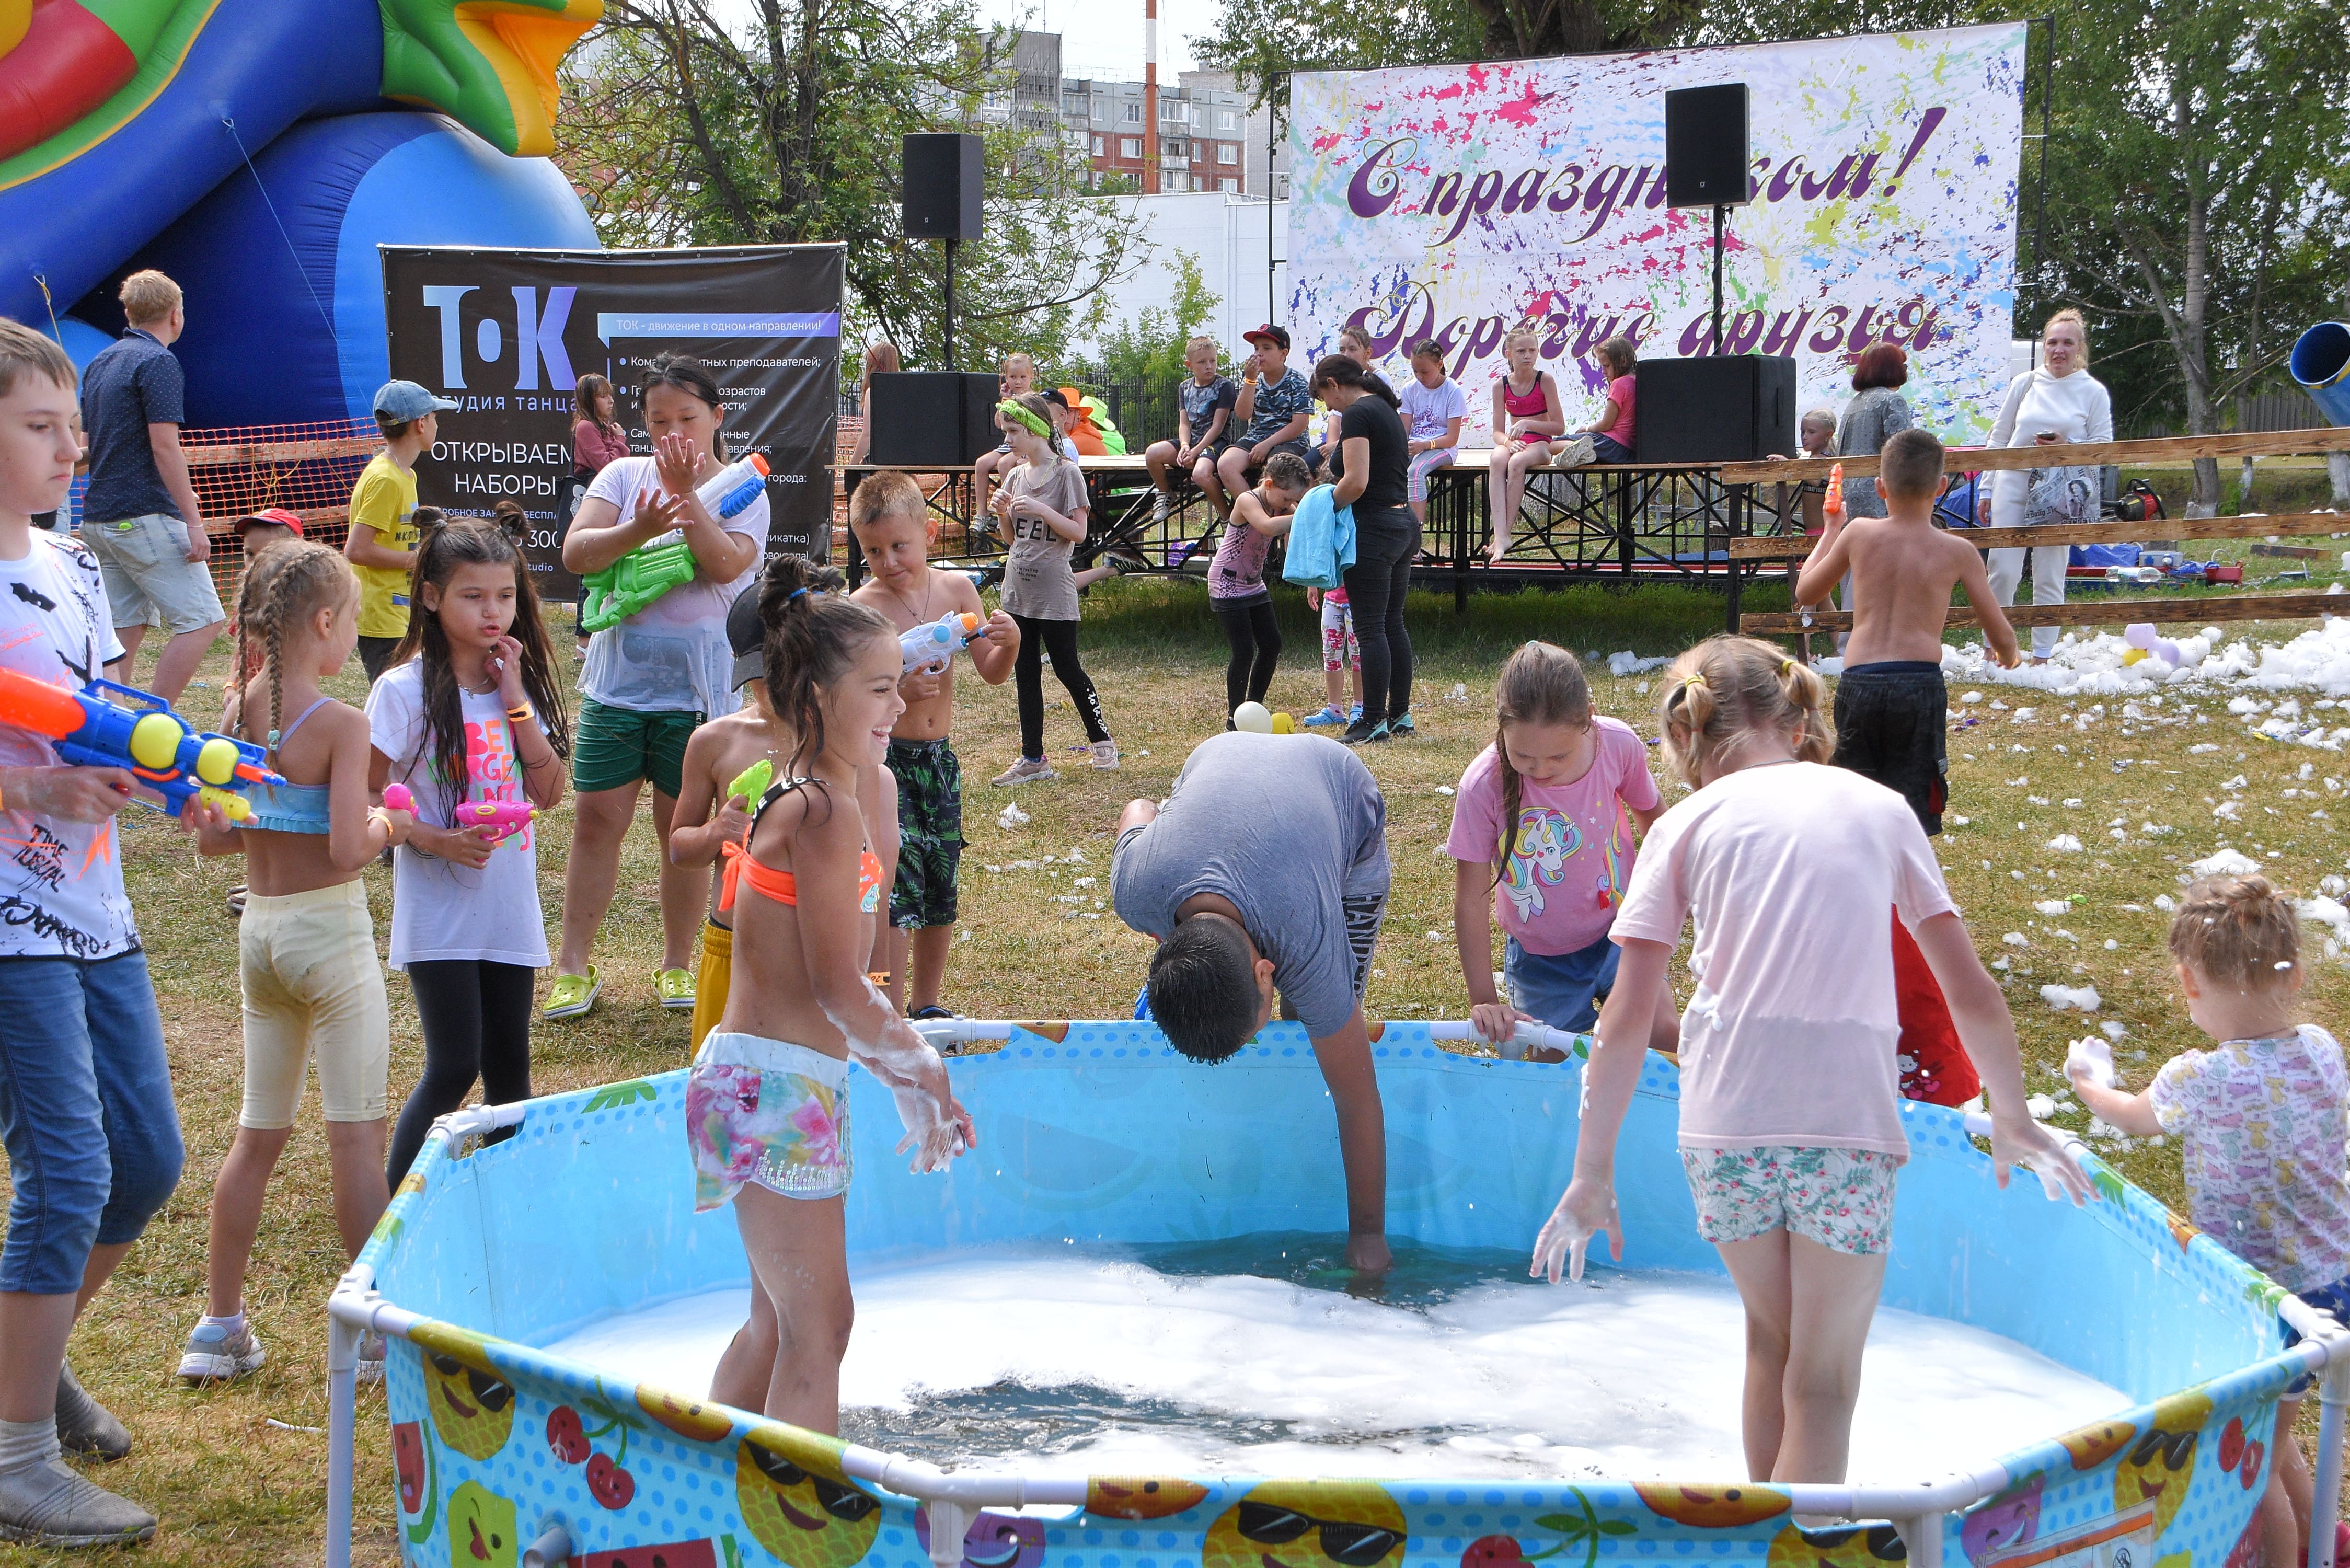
column 632, row 582
column 752, row 783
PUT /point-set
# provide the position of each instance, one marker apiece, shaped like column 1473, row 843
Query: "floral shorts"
column 767, row 1112
column 1840, row 1198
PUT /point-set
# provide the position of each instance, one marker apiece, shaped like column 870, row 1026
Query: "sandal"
column 572, row 994
column 676, row 989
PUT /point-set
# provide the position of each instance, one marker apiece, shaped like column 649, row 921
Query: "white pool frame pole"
column 2327, row 1344
column 342, row 1424
column 1537, row 1035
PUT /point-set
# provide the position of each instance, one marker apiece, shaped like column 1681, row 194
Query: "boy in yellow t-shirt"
column 381, row 547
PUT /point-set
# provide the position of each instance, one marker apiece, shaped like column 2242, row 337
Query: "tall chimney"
column 1151, row 96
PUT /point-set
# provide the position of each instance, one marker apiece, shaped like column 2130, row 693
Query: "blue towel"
column 1320, row 540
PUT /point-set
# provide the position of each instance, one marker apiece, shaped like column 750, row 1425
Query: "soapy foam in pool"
column 1103, row 1363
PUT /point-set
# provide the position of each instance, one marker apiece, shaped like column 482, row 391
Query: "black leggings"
column 1385, row 544
column 1255, row 638
column 1059, row 639
column 476, row 1019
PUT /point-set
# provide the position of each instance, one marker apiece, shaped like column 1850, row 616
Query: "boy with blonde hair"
column 895, row 528
column 1207, row 401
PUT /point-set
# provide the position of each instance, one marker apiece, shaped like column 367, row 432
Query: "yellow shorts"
column 313, row 987
column 717, row 974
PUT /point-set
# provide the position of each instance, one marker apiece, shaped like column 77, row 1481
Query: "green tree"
column 1148, row 351
column 783, row 126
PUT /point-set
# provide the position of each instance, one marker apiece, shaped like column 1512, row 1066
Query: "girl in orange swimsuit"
column 767, row 1103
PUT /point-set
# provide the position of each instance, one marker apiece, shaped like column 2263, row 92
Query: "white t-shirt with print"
column 440, row 909
column 61, row 891
column 671, row 657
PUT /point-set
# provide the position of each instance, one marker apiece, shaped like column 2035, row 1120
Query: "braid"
column 273, row 638
column 1510, row 791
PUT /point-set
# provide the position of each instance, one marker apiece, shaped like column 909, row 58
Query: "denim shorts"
column 2333, row 1300
column 86, row 1111
column 1562, row 990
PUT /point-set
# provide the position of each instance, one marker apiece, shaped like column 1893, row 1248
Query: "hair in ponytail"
column 439, row 554
column 283, row 588
column 814, row 635
column 1722, row 693
column 2237, row 932
column 1541, row 684
column 1337, row 370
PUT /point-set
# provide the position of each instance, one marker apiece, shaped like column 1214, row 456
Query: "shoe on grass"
column 1027, row 769
column 572, row 994
column 49, row 1504
column 1362, row 733
column 1105, row 755
column 1325, row 719
column 237, row 901
column 1355, row 715
column 1401, row 728
column 675, row 988
column 85, row 1425
column 217, row 1354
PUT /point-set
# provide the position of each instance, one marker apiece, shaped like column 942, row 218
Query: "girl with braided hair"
column 305, row 946
column 2261, row 1114
column 1790, row 1093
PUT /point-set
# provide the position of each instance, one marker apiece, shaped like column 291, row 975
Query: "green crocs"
column 676, row 988
column 572, row 994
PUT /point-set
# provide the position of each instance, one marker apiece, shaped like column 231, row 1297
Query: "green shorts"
column 612, row 748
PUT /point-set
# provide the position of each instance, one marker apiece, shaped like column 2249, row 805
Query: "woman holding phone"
column 2056, row 404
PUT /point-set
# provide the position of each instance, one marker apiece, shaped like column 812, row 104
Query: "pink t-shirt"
column 2263, row 1121
column 1622, row 389
column 1573, row 852
column 1788, row 870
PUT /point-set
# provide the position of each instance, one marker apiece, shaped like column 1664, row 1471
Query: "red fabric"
column 1934, row 1066
column 68, row 63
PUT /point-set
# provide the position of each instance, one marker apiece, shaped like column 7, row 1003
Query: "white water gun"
column 934, row 644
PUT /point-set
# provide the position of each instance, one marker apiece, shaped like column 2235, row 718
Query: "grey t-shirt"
column 1037, row 581
column 1292, row 829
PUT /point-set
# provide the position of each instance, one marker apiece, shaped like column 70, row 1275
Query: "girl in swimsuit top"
column 313, row 988
column 1527, row 421
column 808, row 896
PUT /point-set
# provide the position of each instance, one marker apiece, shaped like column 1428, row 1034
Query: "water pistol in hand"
column 105, row 725
column 934, row 644
column 642, row 575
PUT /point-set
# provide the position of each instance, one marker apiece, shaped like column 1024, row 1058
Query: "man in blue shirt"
column 140, row 516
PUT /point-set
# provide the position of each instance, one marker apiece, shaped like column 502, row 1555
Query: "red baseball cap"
column 1278, row 335
column 277, row 516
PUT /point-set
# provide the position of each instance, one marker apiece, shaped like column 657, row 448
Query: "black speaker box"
column 1706, row 154
column 946, row 417
column 1736, row 408
column 943, row 176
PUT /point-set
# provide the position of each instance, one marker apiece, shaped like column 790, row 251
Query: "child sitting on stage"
column 1891, row 706
column 766, row 1104
column 2262, row 1120
column 1528, row 422
column 1790, row 1111
column 1434, row 408
column 1611, row 433
column 1206, row 401
column 1016, row 380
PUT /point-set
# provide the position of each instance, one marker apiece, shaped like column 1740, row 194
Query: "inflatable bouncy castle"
column 259, row 152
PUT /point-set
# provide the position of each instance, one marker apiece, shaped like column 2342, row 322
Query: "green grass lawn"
column 238, row 1474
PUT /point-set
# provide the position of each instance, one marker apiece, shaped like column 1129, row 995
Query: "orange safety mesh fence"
column 307, row 468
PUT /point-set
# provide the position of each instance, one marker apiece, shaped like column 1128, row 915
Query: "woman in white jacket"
column 2056, row 404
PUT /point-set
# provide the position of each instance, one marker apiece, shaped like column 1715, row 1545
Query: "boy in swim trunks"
column 709, row 818
column 1892, row 709
column 896, row 528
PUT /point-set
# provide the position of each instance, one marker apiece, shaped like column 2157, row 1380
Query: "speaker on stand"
column 944, row 175
column 1705, row 162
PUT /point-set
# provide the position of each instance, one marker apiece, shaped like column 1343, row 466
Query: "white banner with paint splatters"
column 1456, row 202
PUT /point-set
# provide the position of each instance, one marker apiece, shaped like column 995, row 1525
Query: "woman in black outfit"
column 1371, row 468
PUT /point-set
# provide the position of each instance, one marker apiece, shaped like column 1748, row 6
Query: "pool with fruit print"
column 574, row 1219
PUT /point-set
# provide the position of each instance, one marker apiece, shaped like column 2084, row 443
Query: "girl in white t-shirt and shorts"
column 1790, row 1093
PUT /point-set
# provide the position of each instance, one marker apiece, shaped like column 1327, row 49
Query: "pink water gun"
column 508, row 817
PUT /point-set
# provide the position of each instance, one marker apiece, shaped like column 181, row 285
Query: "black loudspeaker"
column 1706, row 155
column 943, row 175
column 1736, row 408
column 946, row 417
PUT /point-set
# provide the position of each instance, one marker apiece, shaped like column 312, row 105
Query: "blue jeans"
column 86, row 1111
column 1562, row 990
column 1607, row 449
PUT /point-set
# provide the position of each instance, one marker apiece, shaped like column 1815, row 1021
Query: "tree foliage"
column 1148, row 351
column 783, row 128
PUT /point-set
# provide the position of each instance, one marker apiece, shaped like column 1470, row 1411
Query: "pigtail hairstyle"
column 1541, row 684
column 2236, row 931
column 439, row 554
column 512, row 521
column 286, row 586
column 1722, row 693
column 1337, row 370
column 815, row 634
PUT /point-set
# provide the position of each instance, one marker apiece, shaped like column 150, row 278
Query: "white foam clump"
column 2054, row 907
column 2225, row 863
column 1631, row 1376
column 1629, row 663
column 2063, row 997
column 2065, row 843
column 2317, row 660
column 1011, row 817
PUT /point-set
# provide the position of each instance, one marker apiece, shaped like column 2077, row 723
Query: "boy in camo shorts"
column 895, row 528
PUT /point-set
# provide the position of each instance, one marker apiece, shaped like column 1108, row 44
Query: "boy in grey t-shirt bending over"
column 1267, row 870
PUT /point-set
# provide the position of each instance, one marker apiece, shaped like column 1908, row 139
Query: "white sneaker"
column 1027, row 769
column 218, row 1355
column 1105, row 755
column 1575, row 453
column 1159, row 507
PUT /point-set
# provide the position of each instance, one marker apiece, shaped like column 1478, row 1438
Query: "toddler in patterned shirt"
column 2263, row 1118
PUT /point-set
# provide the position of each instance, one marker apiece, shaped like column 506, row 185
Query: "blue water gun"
column 104, row 726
